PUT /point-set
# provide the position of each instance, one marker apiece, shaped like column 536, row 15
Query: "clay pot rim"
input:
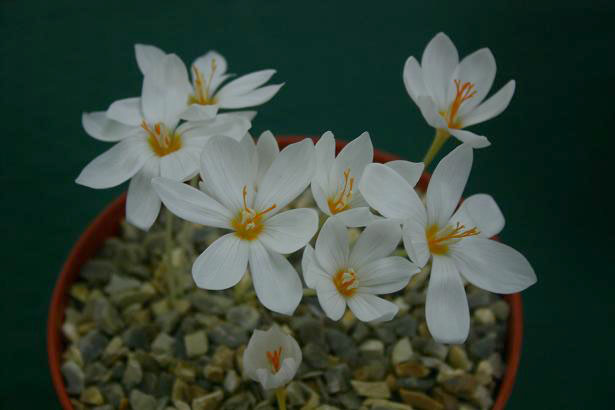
column 106, row 224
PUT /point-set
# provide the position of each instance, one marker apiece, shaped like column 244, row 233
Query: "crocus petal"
column 261, row 342
column 148, row 57
column 289, row 231
column 446, row 307
column 226, row 168
column 410, row 171
column 276, row 282
column 248, row 115
column 388, row 192
column 256, row 97
column 430, row 112
column 468, row 137
column 310, row 268
column 447, row 184
column 165, row 92
column 222, row 264
column 367, row 307
column 415, row 242
column 267, row 149
column 478, row 69
column 228, row 125
column 356, row 217
column 126, row 111
column 287, row 177
column 493, row 266
column 413, row 79
column 480, row 211
column 198, row 112
column 204, row 64
column 179, row 165
column 244, row 85
column 355, row 156
column 333, row 304
column 439, row 60
column 378, row 240
column 324, row 156
column 142, row 202
column 191, row 204
column 332, row 247
column 99, row 126
column 117, row 164
column 492, row 107
column 385, row 275
column 271, row 381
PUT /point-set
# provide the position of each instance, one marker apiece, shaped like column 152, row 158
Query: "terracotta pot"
column 107, row 224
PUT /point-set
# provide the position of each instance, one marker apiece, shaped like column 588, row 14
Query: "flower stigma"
column 464, row 92
column 439, row 240
column 341, row 202
column 346, row 282
column 161, row 140
column 248, row 223
column 202, row 86
column 274, row 359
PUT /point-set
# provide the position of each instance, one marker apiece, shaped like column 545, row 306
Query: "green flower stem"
column 438, row 141
column 280, row 394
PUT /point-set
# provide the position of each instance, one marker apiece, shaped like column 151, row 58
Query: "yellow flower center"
column 346, row 282
column 248, row 223
column 202, row 87
column 439, row 240
column 161, row 140
column 274, row 359
column 465, row 91
column 341, row 200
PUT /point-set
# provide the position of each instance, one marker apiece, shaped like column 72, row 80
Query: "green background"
column 342, row 63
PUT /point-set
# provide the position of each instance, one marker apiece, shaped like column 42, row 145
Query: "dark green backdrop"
column 342, row 63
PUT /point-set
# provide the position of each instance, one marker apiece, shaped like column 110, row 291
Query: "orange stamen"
column 248, row 223
column 202, row 87
column 438, row 244
column 340, row 203
column 159, row 139
column 346, row 282
column 464, row 92
column 274, row 359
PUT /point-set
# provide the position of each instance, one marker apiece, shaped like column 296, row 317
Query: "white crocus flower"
column 271, row 358
column 151, row 142
column 450, row 93
column 457, row 243
column 336, row 179
column 261, row 235
column 208, row 94
column 354, row 277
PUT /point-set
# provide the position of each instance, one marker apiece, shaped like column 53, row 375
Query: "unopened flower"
column 450, row 93
column 151, row 143
column 457, row 243
column 208, row 94
column 261, row 235
column 336, row 179
column 344, row 277
column 271, row 358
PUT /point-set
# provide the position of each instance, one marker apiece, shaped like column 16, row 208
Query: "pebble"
column 402, row 351
column 244, row 316
column 372, row 346
column 114, row 394
column 163, row 343
column 501, row 309
column 377, row 390
column 341, row 344
column 337, row 378
column 229, row 335
column 462, row 385
column 458, row 358
column 484, row 316
column 196, row 344
column 484, row 347
column 413, row 383
column 379, row 404
column 74, row 377
column 420, row 400
column 133, row 374
column 214, row 373
column 92, row 395
column 141, row 401
column 92, row 345
column 97, row 271
column 231, row 381
column 121, row 283
column 411, row 369
column 315, row 356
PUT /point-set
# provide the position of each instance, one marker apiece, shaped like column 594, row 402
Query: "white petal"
column 480, row 211
column 165, row 92
column 413, row 79
column 222, row 264
column 385, row 275
column 492, row 107
column 388, row 192
column 244, row 84
column 126, row 111
column 271, row 381
column 473, row 140
column 430, row 112
column 228, row 125
column 332, row 248
column 99, row 126
column 310, row 275
column 256, row 97
column 289, row 231
column 267, row 149
column 446, row 307
column 355, row 156
column 319, row 197
column 204, row 65
column 276, row 282
column 148, row 57
column 415, row 242
column 410, row 171
column 287, row 177
column 367, row 307
column 324, row 157
column 357, row 217
column 479, row 69
column 330, row 299
column 447, row 184
column 439, row 60
column 117, row 164
column 179, row 165
column 191, row 204
column 198, row 112
column 248, row 115
column 142, row 202
column 378, row 240
column 226, row 168
column 493, row 266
